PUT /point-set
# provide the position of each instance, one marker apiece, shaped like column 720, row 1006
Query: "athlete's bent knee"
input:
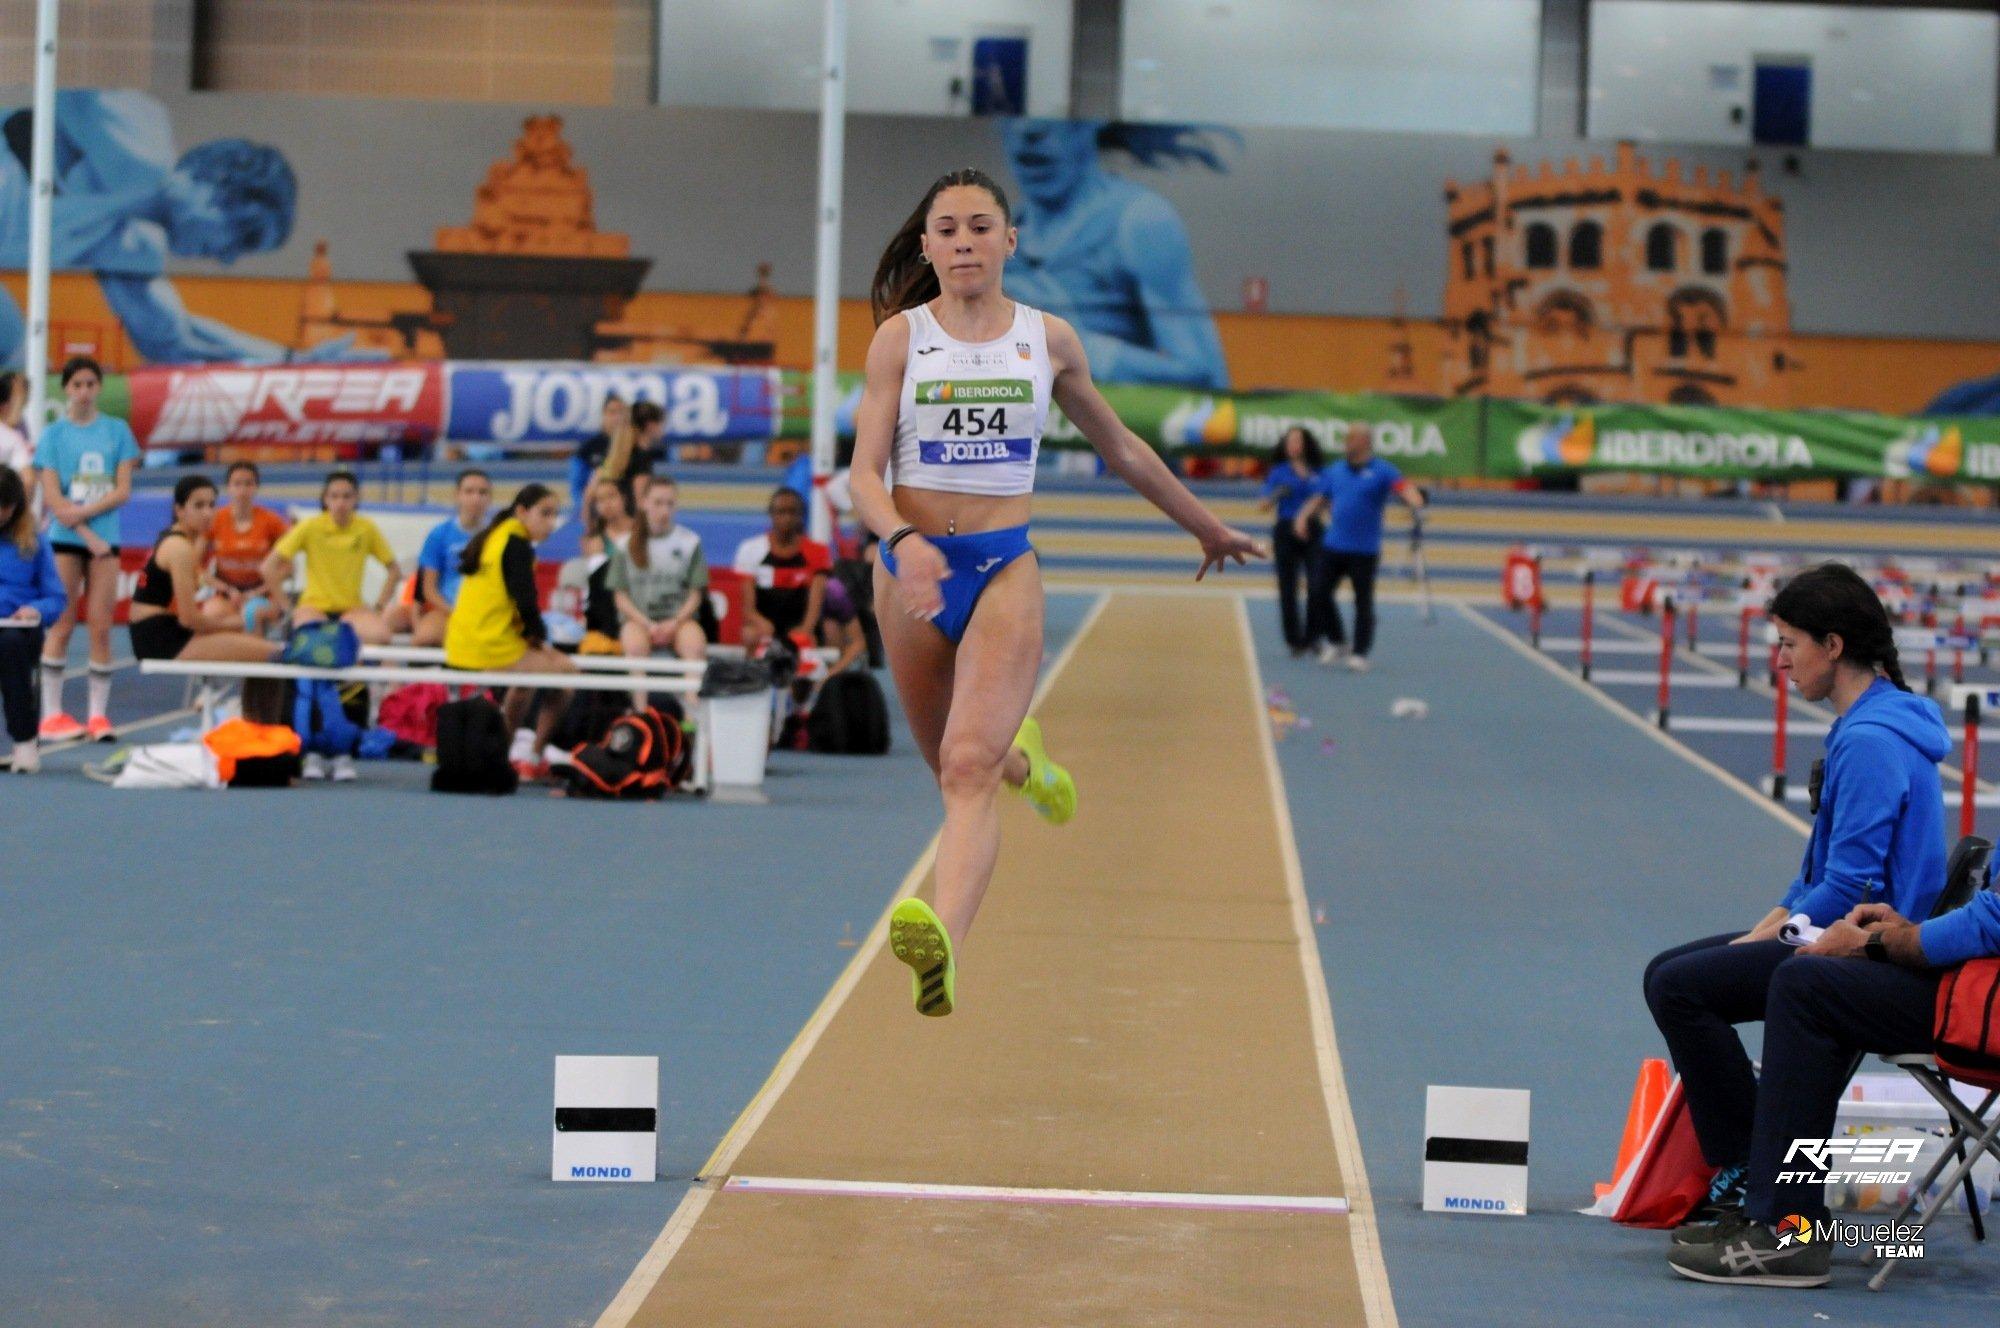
column 968, row 769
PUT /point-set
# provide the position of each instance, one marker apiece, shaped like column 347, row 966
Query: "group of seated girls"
column 477, row 584
column 648, row 580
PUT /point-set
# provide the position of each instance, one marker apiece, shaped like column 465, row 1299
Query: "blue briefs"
column 974, row 560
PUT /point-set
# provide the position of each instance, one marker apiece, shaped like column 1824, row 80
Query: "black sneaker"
column 1752, row 1254
column 1724, row 1205
column 1702, row 1231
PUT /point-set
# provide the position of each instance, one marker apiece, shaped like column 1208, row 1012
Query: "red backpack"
column 640, row 756
column 1966, row 1038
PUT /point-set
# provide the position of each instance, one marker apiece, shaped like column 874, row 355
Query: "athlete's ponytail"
column 618, row 459
column 903, row 279
column 1832, row 600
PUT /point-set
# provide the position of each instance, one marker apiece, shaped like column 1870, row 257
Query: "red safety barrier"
column 1781, row 690
column 1958, row 651
column 1743, row 646
column 1666, row 657
column 1589, row 616
column 1969, row 767
column 1694, row 616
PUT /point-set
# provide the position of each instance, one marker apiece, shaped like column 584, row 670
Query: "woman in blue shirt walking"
column 1295, row 465
column 86, row 462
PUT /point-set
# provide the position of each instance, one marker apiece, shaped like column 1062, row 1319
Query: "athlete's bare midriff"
column 940, row 512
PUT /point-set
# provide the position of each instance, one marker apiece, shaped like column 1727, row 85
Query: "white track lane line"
column 889, row 1189
column 1370, row 1270
column 618, row 1314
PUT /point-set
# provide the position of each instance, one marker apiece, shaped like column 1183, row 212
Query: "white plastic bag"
column 169, row 765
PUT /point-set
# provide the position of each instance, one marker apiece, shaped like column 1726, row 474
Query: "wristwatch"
column 1875, row 947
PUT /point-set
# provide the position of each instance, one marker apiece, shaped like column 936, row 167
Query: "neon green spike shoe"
column 920, row 940
column 1048, row 785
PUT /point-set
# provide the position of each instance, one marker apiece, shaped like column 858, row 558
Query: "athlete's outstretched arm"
column 1130, row 459
column 919, row 565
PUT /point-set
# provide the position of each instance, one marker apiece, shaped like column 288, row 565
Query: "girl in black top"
column 166, row 623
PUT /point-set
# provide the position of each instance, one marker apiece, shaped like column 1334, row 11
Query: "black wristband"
column 900, row 532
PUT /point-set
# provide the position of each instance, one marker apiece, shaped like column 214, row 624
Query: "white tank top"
column 971, row 415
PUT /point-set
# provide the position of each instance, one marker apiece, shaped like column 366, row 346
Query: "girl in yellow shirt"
column 337, row 544
column 496, row 624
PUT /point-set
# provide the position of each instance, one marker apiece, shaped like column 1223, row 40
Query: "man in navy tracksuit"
column 1874, row 858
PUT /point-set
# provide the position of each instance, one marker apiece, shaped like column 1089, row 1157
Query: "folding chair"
column 1975, row 1132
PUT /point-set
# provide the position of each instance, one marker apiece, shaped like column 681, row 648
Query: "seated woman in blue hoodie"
column 1877, row 839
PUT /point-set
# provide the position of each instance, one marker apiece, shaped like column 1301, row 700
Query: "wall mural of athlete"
column 1111, row 255
column 124, row 202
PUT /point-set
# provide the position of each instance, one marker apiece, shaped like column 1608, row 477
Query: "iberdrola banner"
column 1722, row 443
column 1426, row 436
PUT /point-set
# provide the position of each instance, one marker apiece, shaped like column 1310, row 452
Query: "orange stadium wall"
column 1276, row 258
column 1891, row 375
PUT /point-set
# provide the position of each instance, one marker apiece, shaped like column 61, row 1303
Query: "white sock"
column 524, row 746
column 52, row 681
column 100, row 690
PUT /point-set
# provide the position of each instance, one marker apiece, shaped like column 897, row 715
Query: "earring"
column 923, row 257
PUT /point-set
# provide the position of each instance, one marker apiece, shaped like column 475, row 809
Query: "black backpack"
column 850, row 716
column 587, row 717
column 636, row 759
column 472, row 749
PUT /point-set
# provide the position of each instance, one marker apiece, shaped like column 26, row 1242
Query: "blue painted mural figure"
column 123, row 203
column 1111, row 255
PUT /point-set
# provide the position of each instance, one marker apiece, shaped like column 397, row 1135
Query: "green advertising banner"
column 1716, row 442
column 1431, row 436
column 1436, row 436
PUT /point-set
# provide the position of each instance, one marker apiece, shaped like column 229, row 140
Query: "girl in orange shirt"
column 240, row 538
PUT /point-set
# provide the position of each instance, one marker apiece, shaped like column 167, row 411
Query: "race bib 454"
column 975, row 422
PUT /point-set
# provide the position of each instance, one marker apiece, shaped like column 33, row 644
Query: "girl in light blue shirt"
column 86, row 462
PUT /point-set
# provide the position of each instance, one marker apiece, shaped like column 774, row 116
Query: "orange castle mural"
column 536, row 202
column 531, row 278
column 1595, row 284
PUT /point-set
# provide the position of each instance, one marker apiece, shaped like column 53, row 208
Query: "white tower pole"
column 41, row 169
column 826, row 263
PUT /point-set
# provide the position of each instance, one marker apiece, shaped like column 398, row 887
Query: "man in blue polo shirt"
column 1354, row 492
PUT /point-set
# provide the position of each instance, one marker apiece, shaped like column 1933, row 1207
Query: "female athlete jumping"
column 958, row 387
